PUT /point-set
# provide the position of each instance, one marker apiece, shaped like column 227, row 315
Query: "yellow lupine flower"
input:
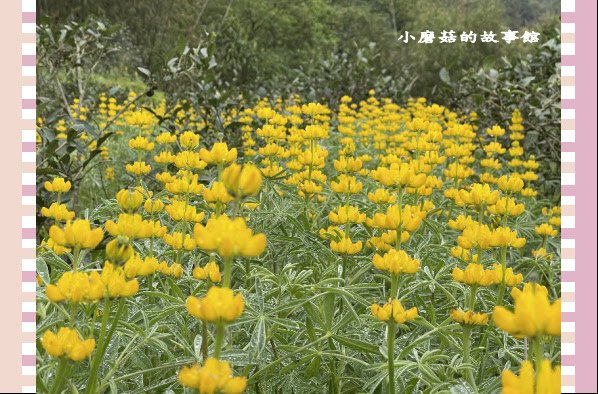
column 58, row 185
column 78, row 234
column 176, row 241
column 511, row 279
column 183, row 184
column 189, row 160
column 346, row 184
column 153, row 206
column 76, row 287
column 469, row 318
column 67, row 343
column 347, row 164
column 219, row 305
column 119, row 250
column 463, row 254
column 546, row 381
column 408, row 218
column 393, row 311
column 506, row 206
column 129, row 199
column 546, row 230
column 217, row 194
column 189, row 140
column 166, row 138
column 181, row 211
column 210, row 271
column 533, row 313
column 474, row 275
column 242, row 181
column 214, row 377
column 461, row 222
column 49, row 244
column 346, row 246
column 138, row 168
column 141, row 143
column 219, row 154
column 475, row 235
column 480, row 194
column 381, row 196
column 130, row 225
column 396, row 262
column 504, row 236
column 165, row 157
column 511, row 184
column 57, row 212
column 346, row 214
column 229, row 237
column 114, row 279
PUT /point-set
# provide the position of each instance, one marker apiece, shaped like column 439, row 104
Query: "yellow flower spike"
column 510, row 184
column 219, row 154
column 77, row 233
column 533, row 313
column 229, row 237
column 474, row 275
column 189, row 140
column 67, row 343
column 217, row 194
column 346, row 246
column 506, row 206
column 393, row 311
column 214, row 377
column 496, row 131
column 119, row 250
column 348, row 164
column 242, row 181
column 58, row 185
column 176, row 270
column 220, row 304
column 181, row 211
column 504, row 236
column 475, row 235
column 165, row 157
column 381, row 196
column 546, row 381
column 177, row 242
column 129, row 199
column 130, row 225
column 346, row 185
column 166, row 138
column 138, row 168
column 153, row 206
column 396, row 262
column 469, row 318
column 57, row 212
column 76, row 287
column 461, row 222
column 408, row 218
column 346, row 214
column 480, row 194
column 210, row 271
column 141, row 143
column 189, row 160
column 511, row 279
column 546, row 230
column 114, row 279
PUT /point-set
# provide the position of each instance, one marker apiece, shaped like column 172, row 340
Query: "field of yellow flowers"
column 369, row 247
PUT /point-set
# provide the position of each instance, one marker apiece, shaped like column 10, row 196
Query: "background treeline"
column 212, row 52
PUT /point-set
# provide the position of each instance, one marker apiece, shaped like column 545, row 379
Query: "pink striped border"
column 578, row 190
column 567, row 197
column 28, row 181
